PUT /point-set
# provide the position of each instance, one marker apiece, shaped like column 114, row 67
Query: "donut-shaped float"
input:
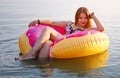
column 80, row 44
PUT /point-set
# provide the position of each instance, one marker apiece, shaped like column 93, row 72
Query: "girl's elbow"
column 101, row 29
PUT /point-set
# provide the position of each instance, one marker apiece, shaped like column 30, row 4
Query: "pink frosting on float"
column 77, row 34
column 34, row 32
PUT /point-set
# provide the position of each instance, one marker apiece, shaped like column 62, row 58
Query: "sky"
column 60, row 8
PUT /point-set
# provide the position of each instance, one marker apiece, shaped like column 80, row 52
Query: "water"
column 15, row 15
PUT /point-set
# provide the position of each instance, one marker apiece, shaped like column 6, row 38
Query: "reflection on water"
column 81, row 64
column 88, row 66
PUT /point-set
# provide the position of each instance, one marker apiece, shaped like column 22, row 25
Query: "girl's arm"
column 61, row 23
column 97, row 22
column 49, row 22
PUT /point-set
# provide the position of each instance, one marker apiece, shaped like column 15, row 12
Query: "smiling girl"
column 49, row 35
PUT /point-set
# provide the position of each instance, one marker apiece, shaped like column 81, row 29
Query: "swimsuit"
column 70, row 28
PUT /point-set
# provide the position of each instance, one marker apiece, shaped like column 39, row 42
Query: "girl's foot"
column 25, row 57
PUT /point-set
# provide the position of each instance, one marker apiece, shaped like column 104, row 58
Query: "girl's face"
column 83, row 20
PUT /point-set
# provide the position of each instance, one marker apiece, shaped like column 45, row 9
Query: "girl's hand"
column 92, row 15
column 33, row 23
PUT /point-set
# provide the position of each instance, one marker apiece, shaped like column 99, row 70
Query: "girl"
column 49, row 35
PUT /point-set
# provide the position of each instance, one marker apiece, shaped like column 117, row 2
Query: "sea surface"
column 15, row 15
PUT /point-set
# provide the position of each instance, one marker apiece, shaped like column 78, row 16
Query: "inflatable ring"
column 80, row 44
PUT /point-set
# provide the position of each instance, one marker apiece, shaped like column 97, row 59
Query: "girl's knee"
column 46, row 28
column 48, row 43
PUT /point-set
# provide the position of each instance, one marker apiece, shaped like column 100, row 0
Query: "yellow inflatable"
column 80, row 44
column 86, row 45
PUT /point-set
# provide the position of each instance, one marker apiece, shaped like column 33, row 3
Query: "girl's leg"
column 46, row 34
column 44, row 50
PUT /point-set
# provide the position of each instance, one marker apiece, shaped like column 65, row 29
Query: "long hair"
column 83, row 10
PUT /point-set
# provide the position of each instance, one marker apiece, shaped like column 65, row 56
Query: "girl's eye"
column 86, row 17
column 80, row 17
column 83, row 18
